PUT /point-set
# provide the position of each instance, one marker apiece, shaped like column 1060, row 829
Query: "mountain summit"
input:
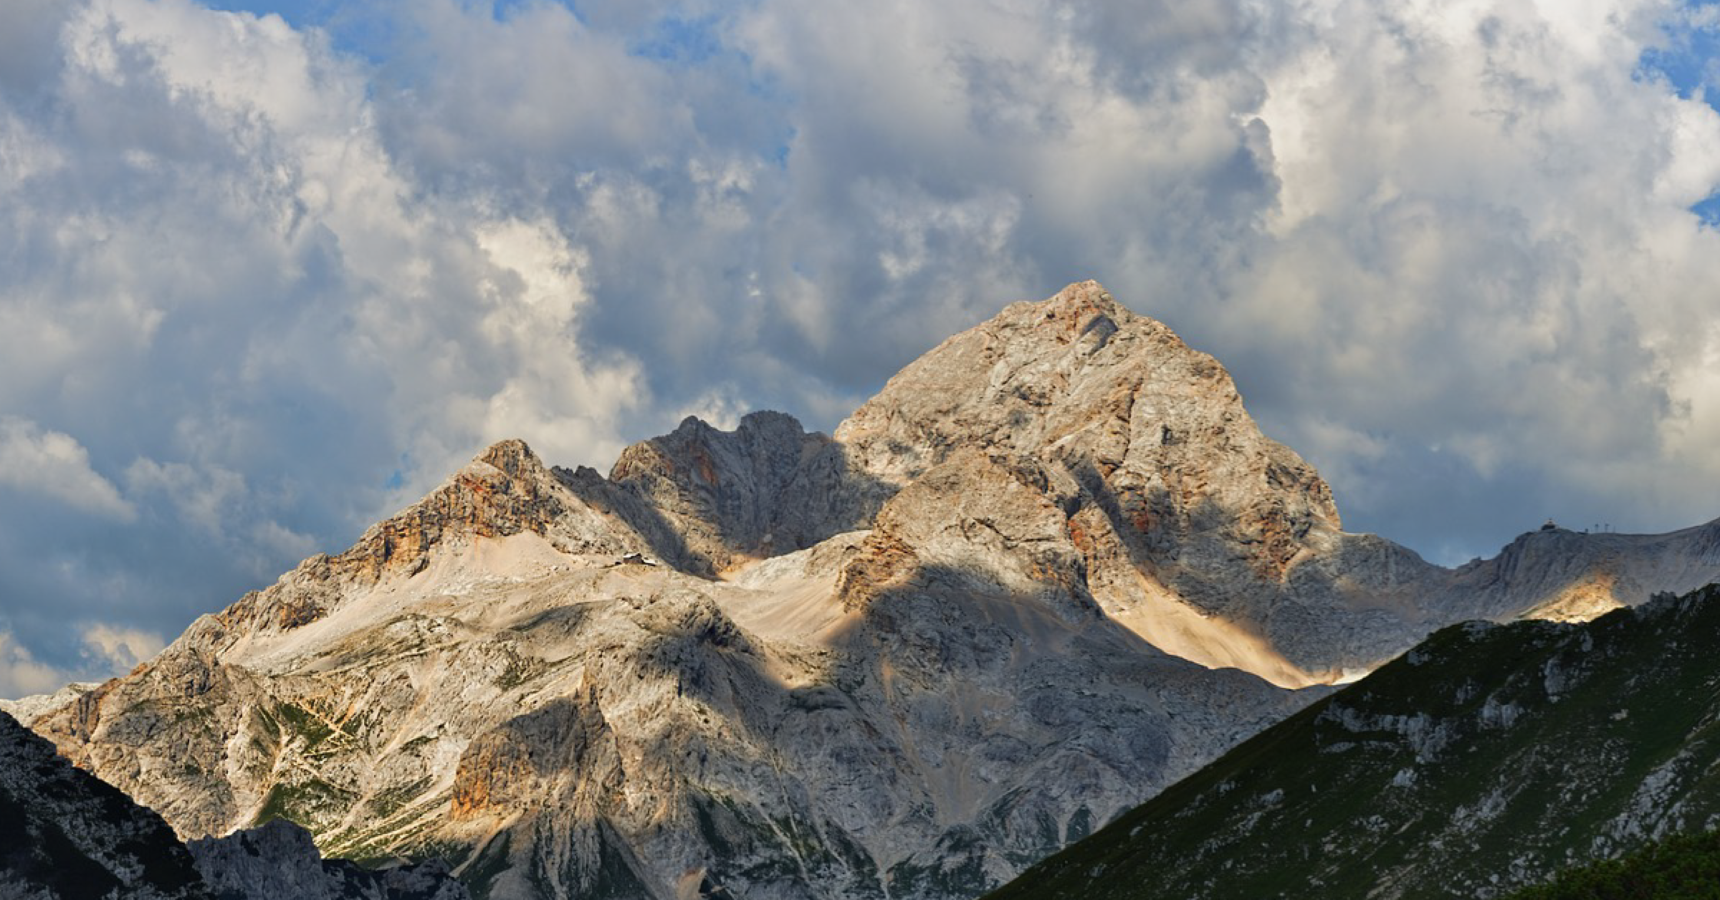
column 1186, row 518
column 1051, row 568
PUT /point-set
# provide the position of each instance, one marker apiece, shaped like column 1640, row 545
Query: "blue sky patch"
column 679, row 40
column 1709, row 211
column 1688, row 58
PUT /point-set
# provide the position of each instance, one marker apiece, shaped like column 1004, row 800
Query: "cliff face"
column 1152, row 431
column 764, row 489
column 1187, row 520
column 1051, row 568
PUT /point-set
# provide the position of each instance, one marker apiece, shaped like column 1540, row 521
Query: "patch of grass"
column 305, row 802
column 296, row 720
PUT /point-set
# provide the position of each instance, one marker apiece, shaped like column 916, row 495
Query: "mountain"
column 67, row 835
column 570, row 722
column 1052, row 567
column 1487, row 758
column 1198, row 533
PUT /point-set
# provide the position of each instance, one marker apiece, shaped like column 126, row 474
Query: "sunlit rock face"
column 1050, row 568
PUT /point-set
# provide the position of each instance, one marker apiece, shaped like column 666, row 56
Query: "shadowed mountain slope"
column 67, row 835
column 1486, row 758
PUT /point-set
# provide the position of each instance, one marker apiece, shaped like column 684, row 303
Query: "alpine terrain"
column 1487, row 758
column 67, row 835
column 1050, row 569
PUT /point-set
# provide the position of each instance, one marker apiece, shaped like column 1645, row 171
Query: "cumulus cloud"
column 276, row 290
column 1484, row 250
column 55, row 464
column 227, row 288
column 21, row 674
column 116, row 649
column 106, row 650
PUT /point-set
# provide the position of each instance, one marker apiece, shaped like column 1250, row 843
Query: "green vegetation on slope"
column 1682, row 867
column 1487, row 758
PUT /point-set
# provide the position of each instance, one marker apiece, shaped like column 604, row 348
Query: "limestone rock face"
column 1052, row 567
column 505, row 491
column 764, row 489
column 1172, row 495
column 1191, row 528
column 66, row 834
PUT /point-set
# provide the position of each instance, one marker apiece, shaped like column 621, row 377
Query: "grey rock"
column 66, row 834
column 732, row 497
column 278, row 861
column 1051, row 568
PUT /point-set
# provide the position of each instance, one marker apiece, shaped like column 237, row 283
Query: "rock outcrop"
column 1052, row 567
column 279, row 861
column 1205, row 537
column 66, row 834
column 734, row 497
column 1187, row 518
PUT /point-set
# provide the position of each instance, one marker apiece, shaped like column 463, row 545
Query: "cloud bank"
column 265, row 280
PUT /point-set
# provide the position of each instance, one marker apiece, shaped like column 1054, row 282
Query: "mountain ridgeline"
column 1050, row 569
column 1488, row 758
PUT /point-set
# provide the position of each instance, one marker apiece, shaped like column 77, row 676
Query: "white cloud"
column 206, row 499
column 54, row 464
column 107, row 650
column 1444, row 246
column 218, row 272
column 1483, row 243
column 21, row 675
column 116, row 650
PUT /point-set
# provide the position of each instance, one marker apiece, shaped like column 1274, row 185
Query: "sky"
column 270, row 271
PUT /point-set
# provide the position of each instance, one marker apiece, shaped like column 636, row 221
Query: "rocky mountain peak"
column 1083, row 313
column 513, row 457
column 1050, row 567
column 1178, row 497
column 505, row 490
column 1081, row 380
column 768, row 487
